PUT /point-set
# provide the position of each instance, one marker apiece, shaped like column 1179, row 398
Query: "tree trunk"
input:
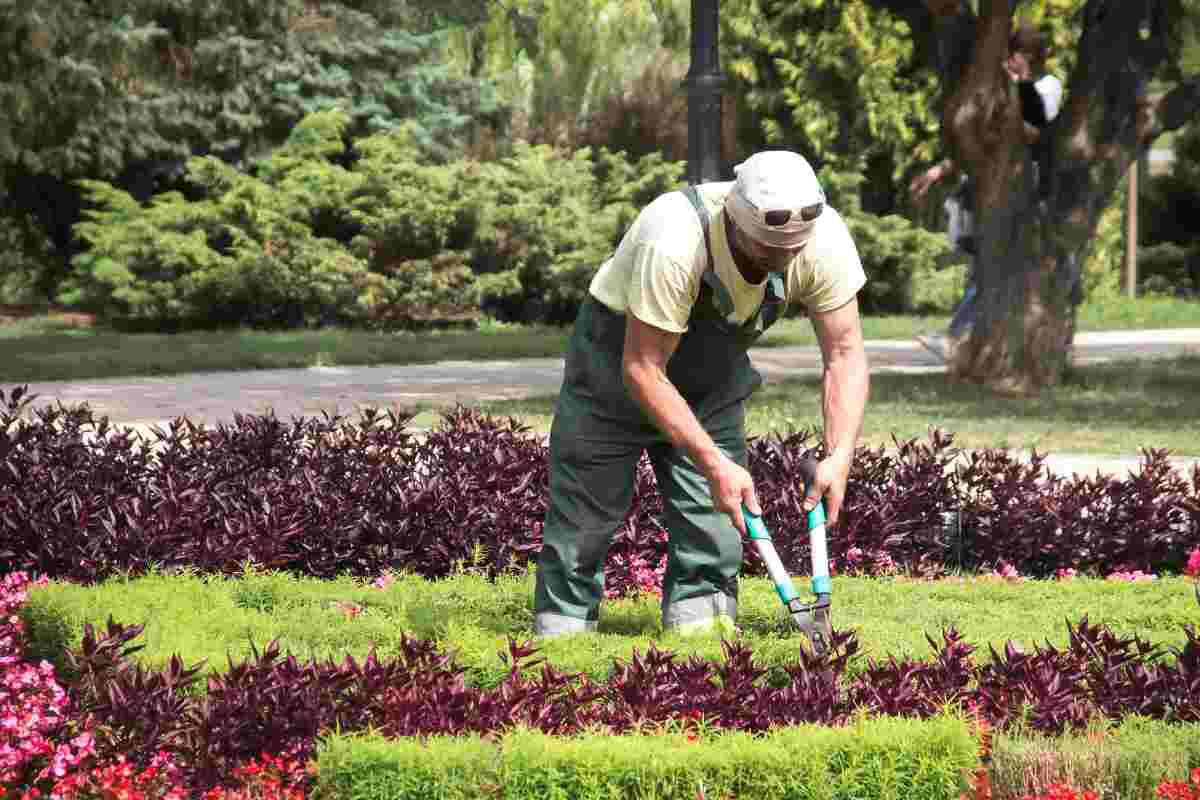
column 1031, row 245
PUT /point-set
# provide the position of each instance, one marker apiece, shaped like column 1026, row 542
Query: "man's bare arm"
column 644, row 369
column 845, row 387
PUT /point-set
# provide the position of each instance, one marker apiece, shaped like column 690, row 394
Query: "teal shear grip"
column 757, row 531
column 812, row 618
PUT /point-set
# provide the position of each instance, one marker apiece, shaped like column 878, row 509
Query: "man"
column 1041, row 99
column 658, row 363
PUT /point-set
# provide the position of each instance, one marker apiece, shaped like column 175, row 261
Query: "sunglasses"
column 782, row 216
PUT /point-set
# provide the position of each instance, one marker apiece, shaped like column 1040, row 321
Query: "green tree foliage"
column 91, row 87
column 836, row 80
column 390, row 240
column 557, row 61
column 125, row 91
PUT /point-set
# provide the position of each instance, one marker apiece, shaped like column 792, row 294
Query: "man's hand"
column 830, row 484
column 732, row 487
column 919, row 186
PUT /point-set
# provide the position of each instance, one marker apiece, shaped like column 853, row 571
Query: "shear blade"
column 814, row 623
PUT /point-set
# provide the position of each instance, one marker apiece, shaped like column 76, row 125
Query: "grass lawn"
column 67, row 347
column 1100, row 410
column 211, row 618
column 1105, row 409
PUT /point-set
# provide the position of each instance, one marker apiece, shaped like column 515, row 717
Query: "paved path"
column 215, row 396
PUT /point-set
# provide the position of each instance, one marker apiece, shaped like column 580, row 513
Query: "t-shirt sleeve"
column 662, row 290
column 830, row 272
column 1050, row 89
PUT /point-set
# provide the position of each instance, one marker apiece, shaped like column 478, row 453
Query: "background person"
column 1041, row 97
column 658, row 363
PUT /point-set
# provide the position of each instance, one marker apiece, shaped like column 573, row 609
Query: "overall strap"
column 724, row 301
column 693, row 195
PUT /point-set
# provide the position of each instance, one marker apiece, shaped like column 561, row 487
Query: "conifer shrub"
column 392, row 239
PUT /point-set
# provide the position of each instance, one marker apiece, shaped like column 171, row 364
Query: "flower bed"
column 53, row 743
column 203, row 729
column 325, row 497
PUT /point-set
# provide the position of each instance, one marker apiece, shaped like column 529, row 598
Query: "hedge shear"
column 813, row 619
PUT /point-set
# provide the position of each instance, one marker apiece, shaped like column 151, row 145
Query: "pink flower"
column 1193, row 564
column 384, row 581
column 1007, row 571
column 1064, row 573
column 1132, row 576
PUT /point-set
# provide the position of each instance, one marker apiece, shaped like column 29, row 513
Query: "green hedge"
column 882, row 759
column 1128, row 761
column 1170, row 269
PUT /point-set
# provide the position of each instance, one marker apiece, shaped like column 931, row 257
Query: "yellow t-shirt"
column 657, row 269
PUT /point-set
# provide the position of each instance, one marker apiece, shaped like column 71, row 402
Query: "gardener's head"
column 774, row 205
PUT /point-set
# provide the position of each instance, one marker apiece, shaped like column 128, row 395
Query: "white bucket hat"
column 776, row 198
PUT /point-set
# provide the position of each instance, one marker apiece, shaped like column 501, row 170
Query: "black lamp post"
column 704, row 83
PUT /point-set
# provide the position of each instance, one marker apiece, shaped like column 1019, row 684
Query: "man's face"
column 1018, row 66
column 764, row 257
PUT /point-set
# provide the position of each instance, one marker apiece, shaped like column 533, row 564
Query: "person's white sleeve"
column 662, row 290
column 1051, row 90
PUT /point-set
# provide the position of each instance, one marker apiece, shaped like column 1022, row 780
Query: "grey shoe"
column 941, row 345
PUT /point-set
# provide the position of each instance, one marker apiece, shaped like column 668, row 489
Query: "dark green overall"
column 598, row 435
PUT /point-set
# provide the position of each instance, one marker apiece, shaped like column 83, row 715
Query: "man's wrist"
column 708, row 458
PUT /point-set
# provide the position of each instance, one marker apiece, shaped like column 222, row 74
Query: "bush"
column 393, row 240
column 244, row 254
column 1169, row 269
column 1129, row 760
column 1170, row 202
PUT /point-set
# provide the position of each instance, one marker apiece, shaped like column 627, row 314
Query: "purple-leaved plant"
column 330, row 495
